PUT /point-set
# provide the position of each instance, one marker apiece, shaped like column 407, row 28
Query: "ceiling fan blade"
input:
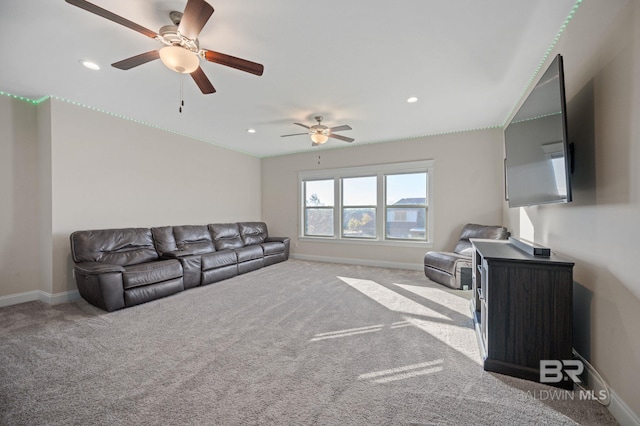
column 303, row 125
column 340, row 128
column 342, row 138
column 195, row 16
column 90, row 7
column 202, row 81
column 294, row 134
column 134, row 61
column 233, row 62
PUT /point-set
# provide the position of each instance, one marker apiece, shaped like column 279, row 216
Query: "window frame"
column 406, row 206
column 360, row 206
column 380, row 171
column 332, row 207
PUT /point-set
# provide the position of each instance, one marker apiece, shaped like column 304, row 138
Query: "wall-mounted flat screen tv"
column 538, row 154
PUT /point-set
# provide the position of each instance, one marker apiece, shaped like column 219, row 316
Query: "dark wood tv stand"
column 522, row 309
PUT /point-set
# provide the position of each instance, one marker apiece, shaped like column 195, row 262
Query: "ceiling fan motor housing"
column 170, row 36
column 319, row 128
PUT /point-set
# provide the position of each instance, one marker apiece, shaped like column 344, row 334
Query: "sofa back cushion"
column 163, row 239
column 123, row 247
column 226, row 235
column 194, row 238
column 472, row 230
column 253, row 232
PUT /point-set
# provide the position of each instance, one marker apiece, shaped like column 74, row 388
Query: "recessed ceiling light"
column 251, row 130
column 91, row 65
column 412, row 99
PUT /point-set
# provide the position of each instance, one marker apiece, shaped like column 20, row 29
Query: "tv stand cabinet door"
column 530, row 316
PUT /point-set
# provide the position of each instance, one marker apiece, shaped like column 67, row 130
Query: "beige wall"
column 467, row 187
column 19, row 266
column 45, row 236
column 600, row 230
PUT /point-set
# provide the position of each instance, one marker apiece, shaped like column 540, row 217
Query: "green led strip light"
column 537, row 117
column 143, row 123
column 544, row 58
column 133, row 120
column 22, row 98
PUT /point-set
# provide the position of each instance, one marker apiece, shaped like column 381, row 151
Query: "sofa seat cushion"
column 151, row 273
column 444, row 261
column 272, row 248
column 249, row 253
column 219, row 259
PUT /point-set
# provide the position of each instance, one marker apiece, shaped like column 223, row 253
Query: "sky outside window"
column 409, row 185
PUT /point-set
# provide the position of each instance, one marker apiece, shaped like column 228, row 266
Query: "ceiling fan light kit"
column 319, row 138
column 320, row 133
column 179, row 59
column 181, row 51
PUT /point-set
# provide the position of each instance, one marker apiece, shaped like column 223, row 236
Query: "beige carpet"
column 297, row 343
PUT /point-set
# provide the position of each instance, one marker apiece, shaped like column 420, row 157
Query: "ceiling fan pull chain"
column 181, row 94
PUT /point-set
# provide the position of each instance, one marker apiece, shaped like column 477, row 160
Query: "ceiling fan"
column 321, row 133
column 181, row 51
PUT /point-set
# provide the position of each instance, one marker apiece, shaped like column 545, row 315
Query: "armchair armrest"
column 97, row 268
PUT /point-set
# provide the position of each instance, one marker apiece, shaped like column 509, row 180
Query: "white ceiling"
column 354, row 62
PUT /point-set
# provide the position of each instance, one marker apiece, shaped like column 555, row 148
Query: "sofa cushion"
column 151, row 273
column 122, row 247
column 249, row 253
column 472, row 230
column 219, row 259
column 253, row 232
column 196, row 239
column 272, row 248
column 163, row 239
column 226, row 236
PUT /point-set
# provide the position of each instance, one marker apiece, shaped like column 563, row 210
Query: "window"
column 318, row 207
column 383, row 204
column 359, row 201
column 406, row 206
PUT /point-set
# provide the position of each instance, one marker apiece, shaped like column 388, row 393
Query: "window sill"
column 369, row 242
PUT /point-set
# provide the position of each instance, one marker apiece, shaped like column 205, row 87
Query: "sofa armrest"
column 100, row 284
column 284, row 240
column 97, row 268
column 177, row 254
column 276, row 239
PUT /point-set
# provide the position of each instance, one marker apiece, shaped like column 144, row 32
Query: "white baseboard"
column 622, row 412
column 361, row 262
column 43, row 296
column 617, row 407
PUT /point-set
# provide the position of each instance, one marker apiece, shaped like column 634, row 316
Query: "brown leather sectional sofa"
column 118, row 268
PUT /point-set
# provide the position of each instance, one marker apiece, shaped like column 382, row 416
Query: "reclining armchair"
column 453, row 269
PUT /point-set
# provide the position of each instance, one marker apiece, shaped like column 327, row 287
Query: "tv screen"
column 537, row 148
